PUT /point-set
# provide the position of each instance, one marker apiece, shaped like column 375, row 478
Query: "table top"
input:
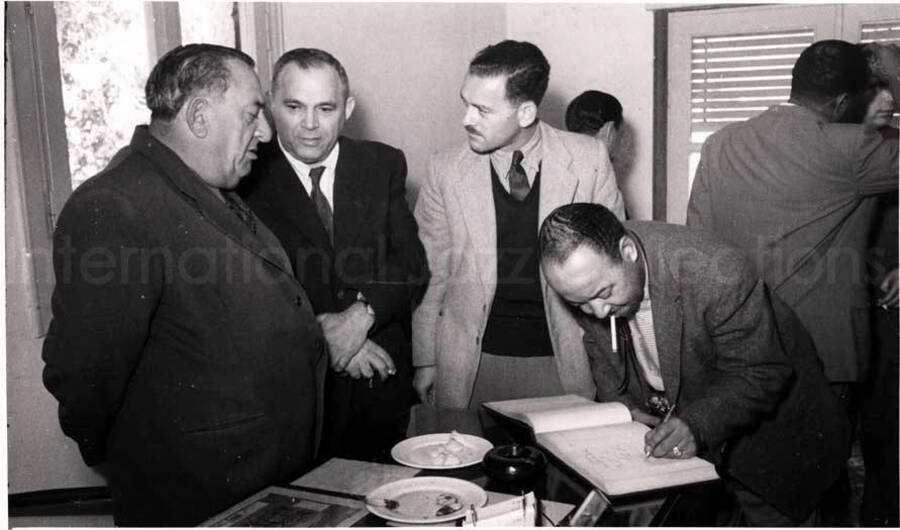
column 344, row 483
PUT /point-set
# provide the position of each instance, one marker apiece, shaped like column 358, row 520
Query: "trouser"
column 365, row 418
column 754, row 511
column 835, row 510
column 727, row 503
column 878, row 425
column 503, row 377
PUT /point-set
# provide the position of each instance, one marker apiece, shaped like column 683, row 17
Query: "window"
column 102, row 80
column 211, row 22
column 887, row 31
column 728, row 65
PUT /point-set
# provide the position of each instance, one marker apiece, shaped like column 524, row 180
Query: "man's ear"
column 349, row 105
column 195, row 117
column 839, row 106
column 628, row 249
column 526, row 113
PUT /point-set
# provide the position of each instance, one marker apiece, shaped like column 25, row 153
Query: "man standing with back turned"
column 794, row 188
column 338, row 206
column 489, row 328
column 182, row 350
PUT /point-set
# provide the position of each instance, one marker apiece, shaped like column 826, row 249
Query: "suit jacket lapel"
column 558, row 183
column 292, row 200
column 350, row 186
column 476, row 198
column 667, row 319
column 213, row 209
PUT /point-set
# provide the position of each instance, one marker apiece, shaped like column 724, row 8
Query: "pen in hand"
column 648, row 450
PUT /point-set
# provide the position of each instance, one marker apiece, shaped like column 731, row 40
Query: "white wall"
column 405, row 63
column 606, row 47
column 39, row 455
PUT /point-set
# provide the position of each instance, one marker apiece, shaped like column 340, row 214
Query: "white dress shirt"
column 644, row 337
column 326, row 182
column 532, row 153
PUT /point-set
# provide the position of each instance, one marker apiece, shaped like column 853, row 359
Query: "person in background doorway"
column 599, row 114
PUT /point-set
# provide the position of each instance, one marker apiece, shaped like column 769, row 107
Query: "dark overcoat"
column 181, row 350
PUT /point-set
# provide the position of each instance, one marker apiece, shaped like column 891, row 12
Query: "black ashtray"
column 517, row 467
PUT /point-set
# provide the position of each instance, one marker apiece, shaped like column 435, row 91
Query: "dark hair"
column 186, row 70
column 590, row 110
column 828, row 68
column 526, row 68
column 572, row 225
column 306, row 58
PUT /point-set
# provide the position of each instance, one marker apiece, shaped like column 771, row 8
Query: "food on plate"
column 447, row 504
column 450, row 453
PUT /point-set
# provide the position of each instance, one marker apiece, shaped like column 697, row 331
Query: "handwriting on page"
column 614, row 459
column 617, row 449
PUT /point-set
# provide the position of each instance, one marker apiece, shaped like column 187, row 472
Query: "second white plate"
column 425, row 500
column 416, row 451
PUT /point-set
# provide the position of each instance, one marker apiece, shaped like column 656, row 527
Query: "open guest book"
column 601, row 443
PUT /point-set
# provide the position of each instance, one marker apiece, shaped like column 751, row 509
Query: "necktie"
column 518, row 181
column 322, row 206
column 241, row 210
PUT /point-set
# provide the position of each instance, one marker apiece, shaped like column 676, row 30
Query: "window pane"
column 735, row 77
column 209, row 22
column 104, row 65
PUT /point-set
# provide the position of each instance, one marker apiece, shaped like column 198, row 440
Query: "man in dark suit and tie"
column 338, row 207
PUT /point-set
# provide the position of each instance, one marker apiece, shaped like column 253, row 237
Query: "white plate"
column 420, row 498
column 415, row 452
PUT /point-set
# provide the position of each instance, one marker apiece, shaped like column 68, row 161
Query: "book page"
column 561, row 412
column 612, row 458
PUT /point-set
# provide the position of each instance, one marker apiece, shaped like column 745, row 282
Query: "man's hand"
column 640, row 416
column 671, row 439
column 370, row 360
column 889, row 286
column 423, row 382
column 345, row 333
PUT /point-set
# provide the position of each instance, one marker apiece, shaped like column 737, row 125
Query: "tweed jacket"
column 457, row 225
column 738, row 364
column 796, row 194
column 181, row 350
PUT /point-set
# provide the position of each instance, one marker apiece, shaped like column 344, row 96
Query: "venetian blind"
column 883, row 31
column 736, row 77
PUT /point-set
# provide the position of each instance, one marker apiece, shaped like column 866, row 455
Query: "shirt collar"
column 301, row 167
column 531, row 153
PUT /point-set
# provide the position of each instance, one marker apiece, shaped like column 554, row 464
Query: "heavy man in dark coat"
column 182, row 349
column 699, row 331
column 338, row 206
